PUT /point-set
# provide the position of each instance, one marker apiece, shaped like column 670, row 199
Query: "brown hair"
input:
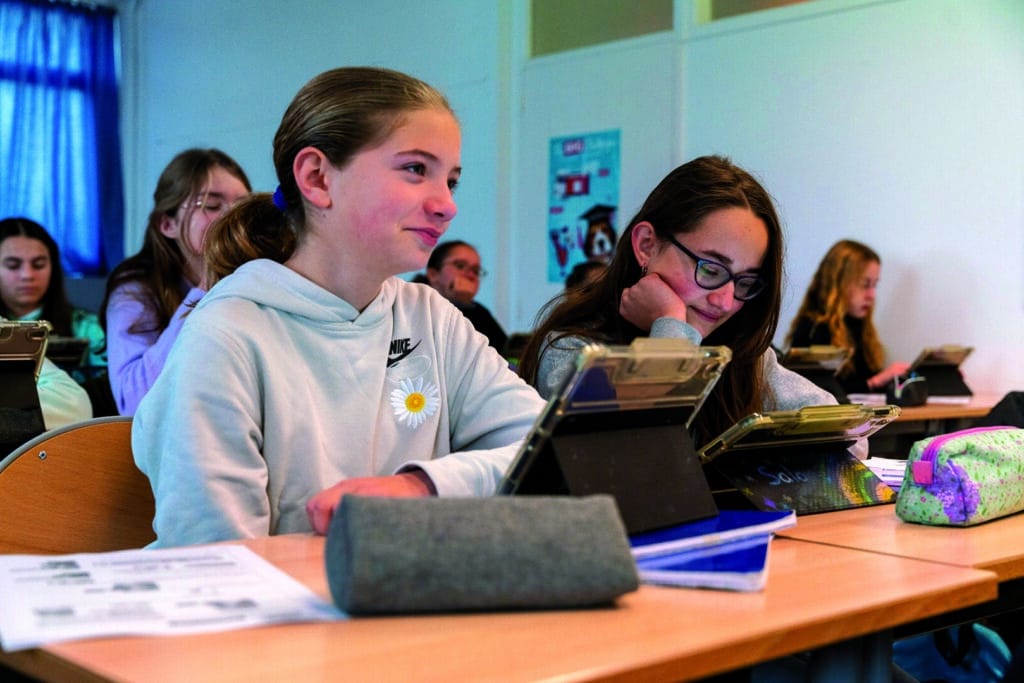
column 340, row 112
column 57, row 310
column 825, row 301
column 160, row 264
column 678, row 205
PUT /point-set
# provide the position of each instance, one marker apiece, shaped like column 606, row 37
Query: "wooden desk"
column 817, row 594
column 895, row 439
column 977, row 406
column 997, row 546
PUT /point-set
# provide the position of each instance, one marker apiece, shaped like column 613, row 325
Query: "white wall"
column 897, row 122
column 221, row 73
column 900, row 124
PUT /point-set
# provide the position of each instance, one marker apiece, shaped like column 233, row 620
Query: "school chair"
column 75, row 489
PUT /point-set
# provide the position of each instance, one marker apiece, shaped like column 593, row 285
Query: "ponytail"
column 253, row 229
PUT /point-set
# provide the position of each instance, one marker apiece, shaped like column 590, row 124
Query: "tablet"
column 24, row 342
column 940, row 365
column 619, row 425
column 814, row 357
column 22, row 349
column 811, row 424
column 799, row 459
column 819, row 364
column 947, row 354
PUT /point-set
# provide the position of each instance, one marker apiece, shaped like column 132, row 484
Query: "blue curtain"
column 60, row 147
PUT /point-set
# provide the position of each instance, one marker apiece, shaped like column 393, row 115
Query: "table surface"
column 978, row 406
column 817, row 594
column 997, row 546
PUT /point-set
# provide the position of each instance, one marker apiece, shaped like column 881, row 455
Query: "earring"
column 643, row 270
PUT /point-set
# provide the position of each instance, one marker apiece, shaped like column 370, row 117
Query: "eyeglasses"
column 712, row 275
column 213, row 204
column 466, row 267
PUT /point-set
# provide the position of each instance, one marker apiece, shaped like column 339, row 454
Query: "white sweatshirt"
column 276, row 389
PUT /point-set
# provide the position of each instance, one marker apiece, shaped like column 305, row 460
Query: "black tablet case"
column 21, row 417
column 639, row 453
column 645, row 459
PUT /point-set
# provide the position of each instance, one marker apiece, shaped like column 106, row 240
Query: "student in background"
column 837, row 311
column 309, row 371
column 149, row 294
column 701, row 260
column 454, row 270
column 32, row 287
column 584, row 273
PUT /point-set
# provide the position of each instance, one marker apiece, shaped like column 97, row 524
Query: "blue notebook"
column 740, row 565
column 726, row 527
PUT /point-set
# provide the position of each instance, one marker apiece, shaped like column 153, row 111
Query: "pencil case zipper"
column 924, row 468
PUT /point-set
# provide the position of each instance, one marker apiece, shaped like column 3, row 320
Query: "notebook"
column 740, row 565
column 798, row 460
column 726, row 527
column 22, row 349
column 619, row 425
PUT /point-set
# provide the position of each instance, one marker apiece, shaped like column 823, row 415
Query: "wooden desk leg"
column 861, row 660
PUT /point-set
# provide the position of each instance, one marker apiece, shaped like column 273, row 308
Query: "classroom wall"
column 897, row 122
column 221, row 73
column 900, row 124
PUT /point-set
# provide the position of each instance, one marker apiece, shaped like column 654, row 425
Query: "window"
column 561, row 25
column 60, row 147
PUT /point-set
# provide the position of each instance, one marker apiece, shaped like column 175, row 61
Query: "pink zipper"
column 924, row 468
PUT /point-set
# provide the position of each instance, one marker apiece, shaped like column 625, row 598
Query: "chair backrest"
column 75, row 489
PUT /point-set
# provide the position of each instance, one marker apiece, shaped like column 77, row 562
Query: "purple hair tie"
column 279, row 200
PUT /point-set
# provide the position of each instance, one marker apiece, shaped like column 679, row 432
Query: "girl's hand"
column 649, row 299
column 882, row 379
column 320, row 507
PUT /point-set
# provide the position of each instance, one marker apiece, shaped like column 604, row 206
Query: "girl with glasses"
column 701, row 260
column 837, row 311
column 149, row 294
column 310, row 371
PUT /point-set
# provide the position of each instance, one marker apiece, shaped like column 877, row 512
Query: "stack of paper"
column 193, row 589
column 728, row 551
column 888, row 470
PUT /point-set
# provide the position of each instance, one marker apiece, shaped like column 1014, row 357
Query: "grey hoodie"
column 276, row 389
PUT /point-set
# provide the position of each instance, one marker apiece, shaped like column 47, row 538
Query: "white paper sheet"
column 51, row 598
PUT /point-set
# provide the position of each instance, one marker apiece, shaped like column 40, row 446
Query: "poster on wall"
column 583, row 202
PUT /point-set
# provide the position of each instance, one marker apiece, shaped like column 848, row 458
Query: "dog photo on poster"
column 584, row 201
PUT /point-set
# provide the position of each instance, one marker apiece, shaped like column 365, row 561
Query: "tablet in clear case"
column 619, row 425
column 22, row 349
column 799, row 460
column 819, row 364
column 814, row 357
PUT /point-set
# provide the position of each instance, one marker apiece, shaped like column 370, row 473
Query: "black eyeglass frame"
column 465, row 267
column 753, row 284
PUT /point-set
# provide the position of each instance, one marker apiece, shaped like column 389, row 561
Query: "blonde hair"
column 825, row 301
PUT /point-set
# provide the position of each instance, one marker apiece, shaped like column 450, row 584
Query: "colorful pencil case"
column 964, row 478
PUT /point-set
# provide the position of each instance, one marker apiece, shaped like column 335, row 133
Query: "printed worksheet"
column 52, row 598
